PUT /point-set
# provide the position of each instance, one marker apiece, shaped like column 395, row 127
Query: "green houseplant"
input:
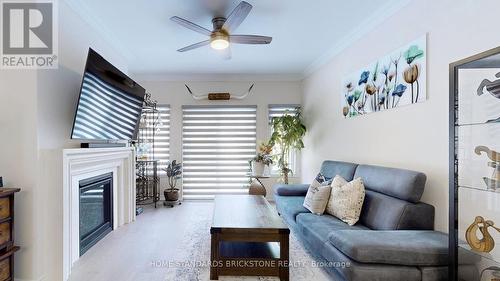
column 174, row 172
column 262, row 159
column 288, row 132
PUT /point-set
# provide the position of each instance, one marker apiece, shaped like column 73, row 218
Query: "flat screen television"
column 110, row 103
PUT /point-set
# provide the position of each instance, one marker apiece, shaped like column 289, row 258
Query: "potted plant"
column 262, row 159
column 288, row 132
column 174, row 171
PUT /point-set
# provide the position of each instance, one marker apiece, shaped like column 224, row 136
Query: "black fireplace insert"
column 96, row 210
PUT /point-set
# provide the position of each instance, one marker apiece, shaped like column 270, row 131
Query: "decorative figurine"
column 495, row 272
column 493, row 87
column 494, row 181
column 485, row 244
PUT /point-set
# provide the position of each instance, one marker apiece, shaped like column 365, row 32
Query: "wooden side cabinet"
column 7, row 248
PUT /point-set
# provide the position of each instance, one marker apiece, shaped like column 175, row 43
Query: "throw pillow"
column 346, row 199
column 318, row 194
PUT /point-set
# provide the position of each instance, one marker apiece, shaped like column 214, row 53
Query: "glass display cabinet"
column 475, row 167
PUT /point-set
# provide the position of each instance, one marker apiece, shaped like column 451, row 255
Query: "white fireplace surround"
column 84, row 163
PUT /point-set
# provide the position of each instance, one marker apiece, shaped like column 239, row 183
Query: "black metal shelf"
column 148, row 180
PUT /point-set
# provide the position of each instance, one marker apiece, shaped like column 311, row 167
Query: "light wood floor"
column 128, row 253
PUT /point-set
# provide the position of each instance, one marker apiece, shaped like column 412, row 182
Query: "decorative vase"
column 171, row 194
column 258, row 168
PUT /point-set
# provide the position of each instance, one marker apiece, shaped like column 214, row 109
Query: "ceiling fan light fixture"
column 219, row 40
column 221, row 36
column 219, row 44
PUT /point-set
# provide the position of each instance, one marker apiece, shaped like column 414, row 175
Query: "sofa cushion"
column 291, row 189
column 383, row 212
column 436, row 273
column 355, row 271
column 403, row 184
column 317, row 229
column 290, row 206
column 402, row 247
column 344, row 169
column 318, row 194
column 346, row 199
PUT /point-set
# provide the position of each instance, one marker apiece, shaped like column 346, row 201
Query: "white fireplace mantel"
column 79, row 164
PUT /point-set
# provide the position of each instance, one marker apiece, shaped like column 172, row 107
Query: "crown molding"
column 369, row 24
column 211, row 77
column 80, row 8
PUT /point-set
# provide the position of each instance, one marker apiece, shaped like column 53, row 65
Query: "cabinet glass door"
column 475, row 214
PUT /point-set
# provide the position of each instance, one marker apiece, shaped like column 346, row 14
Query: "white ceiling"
column 304, row 33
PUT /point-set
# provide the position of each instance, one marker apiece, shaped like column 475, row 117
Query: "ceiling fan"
column 221, row 36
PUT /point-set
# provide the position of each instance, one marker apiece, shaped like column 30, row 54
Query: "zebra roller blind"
column 218, row 142
column 278, row 110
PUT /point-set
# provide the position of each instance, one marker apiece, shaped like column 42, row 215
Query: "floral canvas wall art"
column 395, row 80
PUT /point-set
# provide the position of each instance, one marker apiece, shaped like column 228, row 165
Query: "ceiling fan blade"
column 194, row 46
column 190, row 25
column 237, row 16
column 250, row 39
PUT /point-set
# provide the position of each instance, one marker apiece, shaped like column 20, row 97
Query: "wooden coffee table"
column 248, row 238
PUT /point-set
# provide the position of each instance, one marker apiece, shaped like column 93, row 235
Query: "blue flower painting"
column 364, row 77
column 399, row 91
column 395, row 80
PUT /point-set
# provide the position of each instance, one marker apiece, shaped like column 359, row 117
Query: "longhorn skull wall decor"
column 219, row 96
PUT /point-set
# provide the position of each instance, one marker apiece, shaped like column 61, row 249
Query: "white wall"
column 413, row 137
column 19, row 159
column 36, row 115
column 263, row 94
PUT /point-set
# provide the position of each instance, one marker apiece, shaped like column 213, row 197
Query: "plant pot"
column 258, row 168
column 171, row 194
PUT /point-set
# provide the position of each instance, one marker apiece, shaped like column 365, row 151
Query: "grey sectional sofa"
column 394, row 238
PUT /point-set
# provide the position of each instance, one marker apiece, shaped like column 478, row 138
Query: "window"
column 161, row 136
column 217, row 143
column 278, row 110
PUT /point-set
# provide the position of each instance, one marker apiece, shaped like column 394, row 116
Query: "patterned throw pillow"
column 318, row 194
column 346, row 199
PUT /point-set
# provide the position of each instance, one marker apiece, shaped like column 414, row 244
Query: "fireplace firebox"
column 96, row 210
